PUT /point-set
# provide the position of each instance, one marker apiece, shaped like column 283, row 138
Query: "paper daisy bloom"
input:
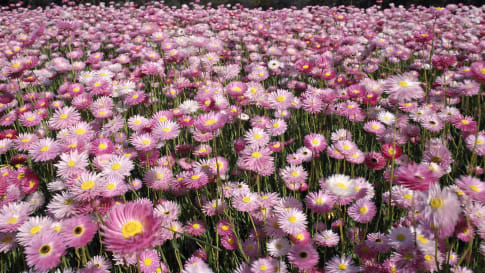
column 118, row 166
column 403, row 88
column 130, row 228
column 292, row 221
column 44, row 150
column 341, row 265
column 304, row 257
column 340, row 185
column 78, row 231
column 362, row 211
column 44, row 252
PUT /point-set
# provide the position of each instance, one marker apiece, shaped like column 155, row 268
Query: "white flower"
column 340, row 185
column 278, row 247
column 386, row 117
column 243, row 116
column 189, row 106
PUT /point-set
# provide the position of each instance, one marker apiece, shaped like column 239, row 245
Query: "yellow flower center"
column 342, row 267
column 280, row 98
column 474, row 188
column 102, row 146
column 401, row 237
column 147, row 261
column 45, row 149
column 246, row 199
column 341, row 185
column 292, row 219
column 13, row 220
column 116, row 166
column 363, row 210
column 131, row 228
column 422, row 239
column 256, row 154
column 436, row 203
column 35, row 229
column 210, row 122
column 87, row 185
column 71, row 163
column 294, row 174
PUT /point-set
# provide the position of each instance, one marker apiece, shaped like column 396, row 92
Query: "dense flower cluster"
column 224, row 139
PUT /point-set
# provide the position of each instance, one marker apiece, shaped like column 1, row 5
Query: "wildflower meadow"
column 223, row 139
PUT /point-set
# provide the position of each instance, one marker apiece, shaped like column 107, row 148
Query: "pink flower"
column 131, row 228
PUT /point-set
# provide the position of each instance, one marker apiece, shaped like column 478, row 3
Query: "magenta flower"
column 131, row 228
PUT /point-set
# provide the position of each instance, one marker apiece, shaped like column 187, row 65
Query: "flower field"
column 225, row 139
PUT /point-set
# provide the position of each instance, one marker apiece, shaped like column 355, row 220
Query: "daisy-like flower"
column 375, row 161
column 86, row 187
column 362, row 211
column 13, row 215
column 32, row 228
column 44, row 150
column 278, row 247
column 71, row 163
column 64, row 118
column 386, row 117
column 315, row 142
column 149, row 261
column 404, row 87
column 209, row 122
column 130, row 228
column 78, row 231
column 340, row 185
column 143, row 142
column 472, row 187
column 346, row 147
column 256, row 137
column 158, row 178
column 263, row 265
column 476, row 143
column 304, row 257
column 82, row 130
column 378, row 242
column 401, row 238
column 280, row 99
column 374, row 127
column 44, row 252
column 247, row 202
column 464, row 123
column 294, row 174
column 117, row 166
column 195, row 228
column 99, row 263
column 30, row 119
column 24, row 141
column 276, row 127
column 440, row 208
column 327, row 238
column 166, row 130
column 292, row 221
column 62, row 205
column 341, row 264
column 319, row 202
column 415, row 176
column 256, row 159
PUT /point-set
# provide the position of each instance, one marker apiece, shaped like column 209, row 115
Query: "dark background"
column 276, row 4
